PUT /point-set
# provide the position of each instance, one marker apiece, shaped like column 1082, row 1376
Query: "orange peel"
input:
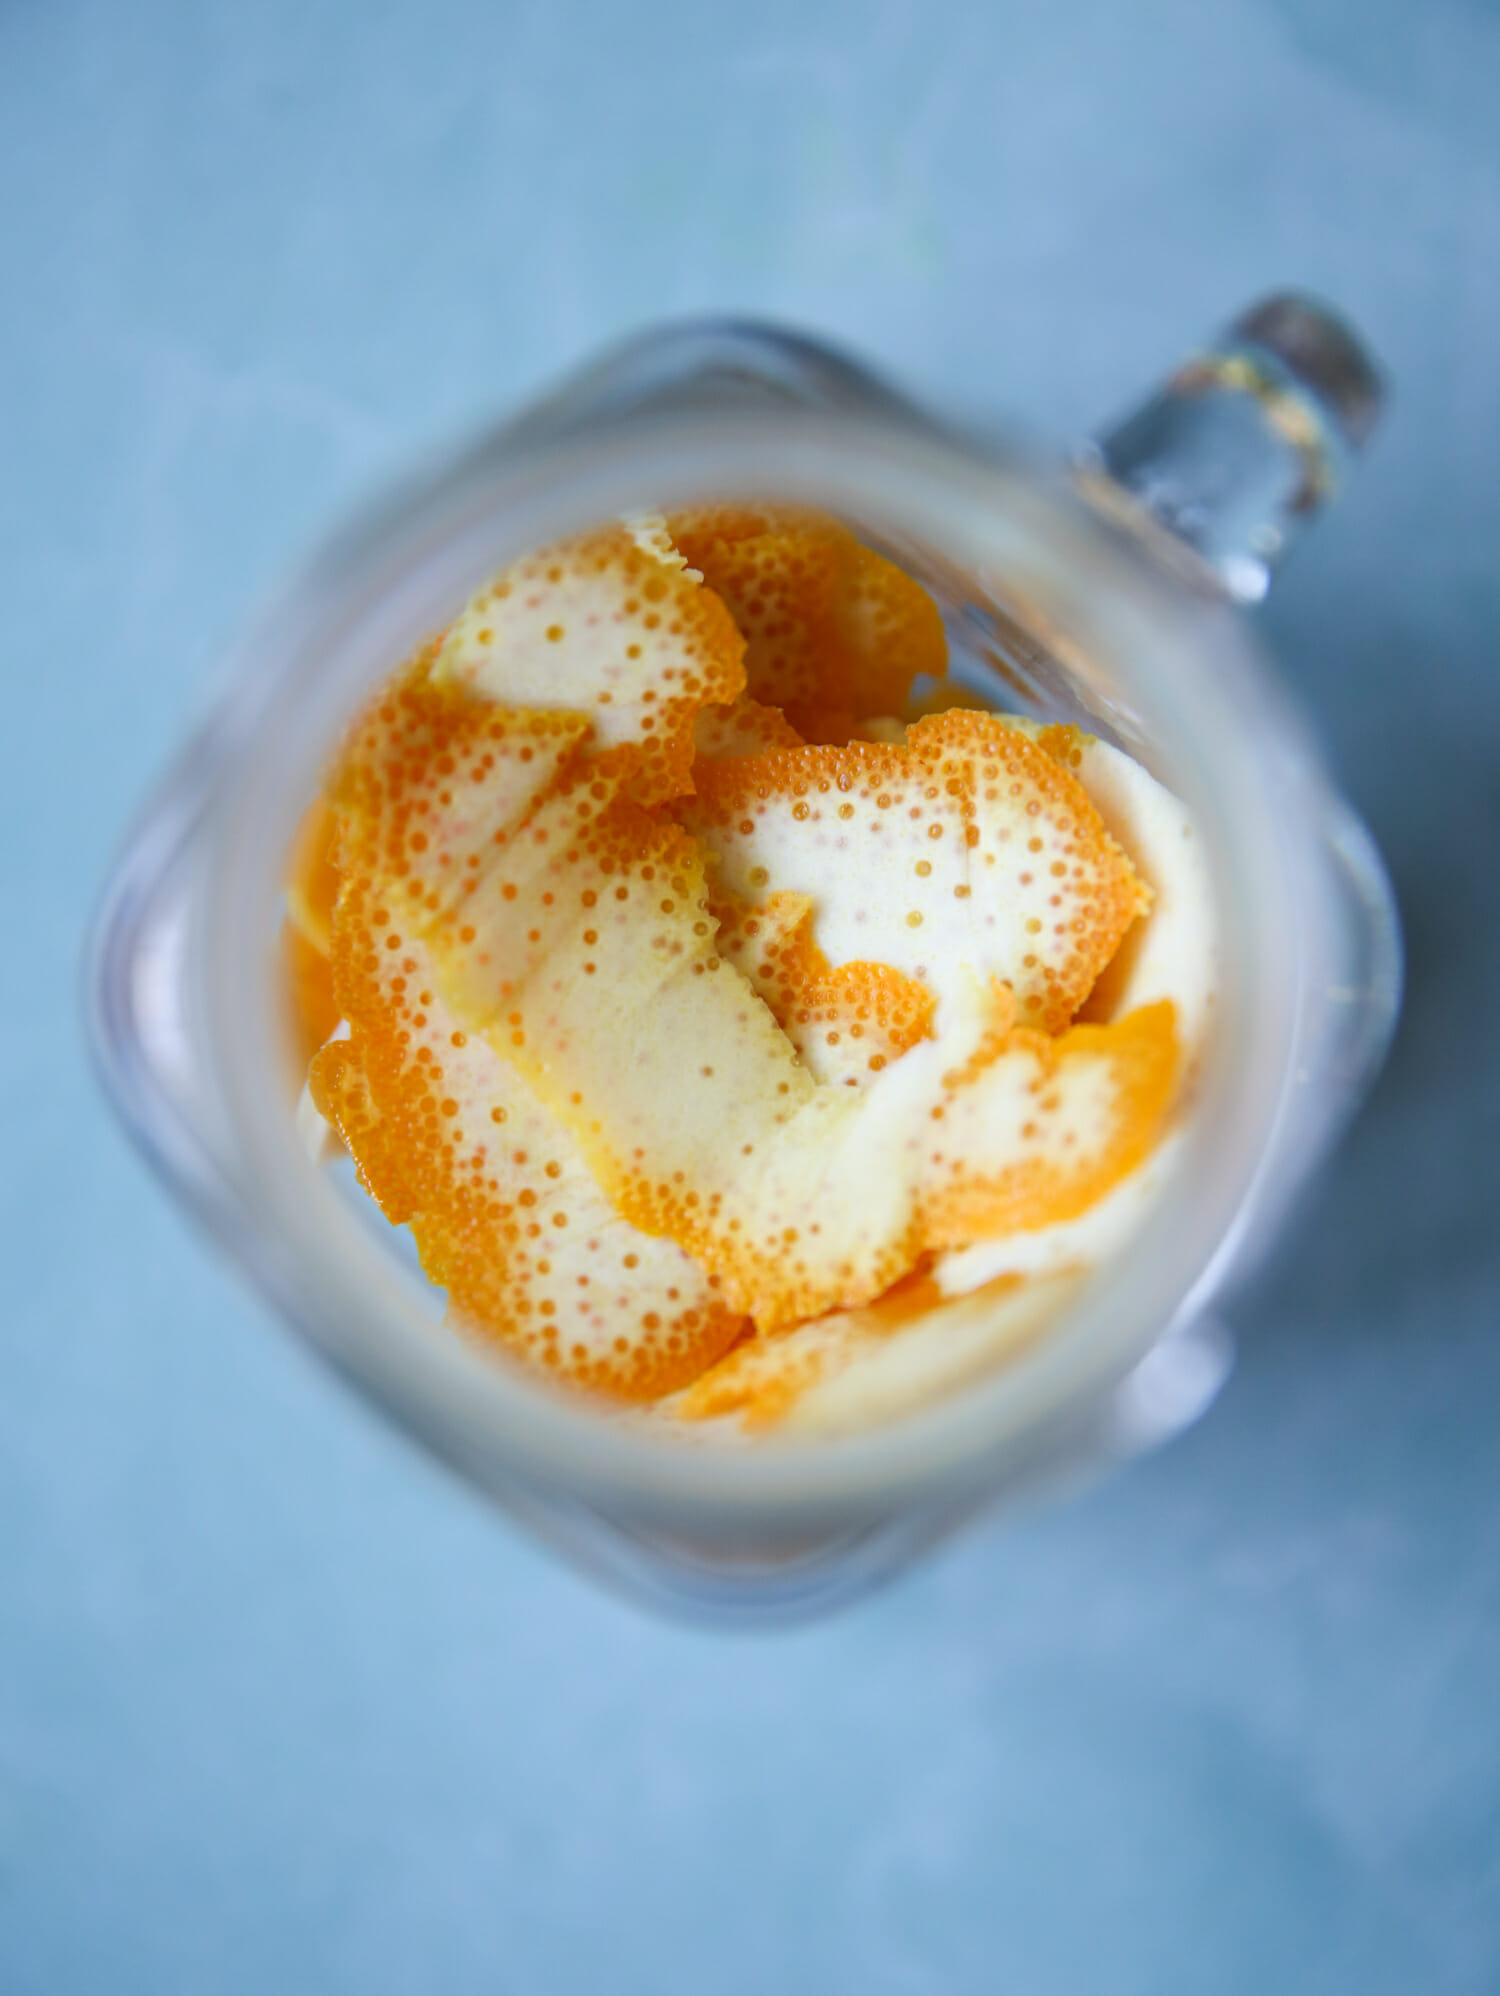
column 767, row 1048
column 587, row 951
column 895, row 632
column 313, row 877
column 848, row 1023
column 745, row 728
column 506, row 1215
column 832, row 628
column 966, row 845
column 1173, row 952
column 311, row 1000
column 614, row 625
column 435, row 778
column 846, row 1371
column 430, row 777
column 588, row 955
column 782, row 576
column 1034, row 1129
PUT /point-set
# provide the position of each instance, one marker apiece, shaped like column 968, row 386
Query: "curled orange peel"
column 966, row 846
column 306, row 935
column 760, row 1379
column 894, row 631
column 434, row 779
column 849, row 1023
column 614, row 625
column 507, row 1218
column 587, row 950
column 833, row 630
column 313, row 877
column 312, row 1002
column 846, row 1372
column 1034, row 1129
column 744, row 728
column 581, row 998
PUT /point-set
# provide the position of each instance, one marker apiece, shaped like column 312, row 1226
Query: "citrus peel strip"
column 843, row 1373
column 831, row 627
column 849, row 1023
column 965, row 847
column 587, row 951
column 613, row 625
column 501, row 831
column 506, row 1215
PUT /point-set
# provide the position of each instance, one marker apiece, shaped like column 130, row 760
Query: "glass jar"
column 1100, row 592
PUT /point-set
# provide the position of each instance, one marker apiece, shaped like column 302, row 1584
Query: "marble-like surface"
column 283, row 1707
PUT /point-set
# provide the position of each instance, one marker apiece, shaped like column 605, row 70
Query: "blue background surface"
column 281, row 1706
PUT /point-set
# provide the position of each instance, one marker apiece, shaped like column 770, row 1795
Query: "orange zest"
column 833, row 630
column 966, row 844
column 684, row 1025
column 848, row 1023
column 450, row 1139
column 614, row 625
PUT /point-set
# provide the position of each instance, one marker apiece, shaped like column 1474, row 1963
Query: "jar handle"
column 1224, row 464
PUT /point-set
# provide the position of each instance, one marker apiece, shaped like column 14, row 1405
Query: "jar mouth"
column 1176, row 679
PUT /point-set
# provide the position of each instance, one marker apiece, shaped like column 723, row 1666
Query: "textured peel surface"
column 848, row 1372
column 306, row 934
column 506, row 1215
column 672, row 1009
column 849, row 1023
column 744, row 728
column 435, row 779
column 588, row 951
column 833, row 630
column 614, row 625
column 1172, row 952
column 1035, row 1128
column 307, row 982
column 964, row 849
column 313, row 877
column 590, row 960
